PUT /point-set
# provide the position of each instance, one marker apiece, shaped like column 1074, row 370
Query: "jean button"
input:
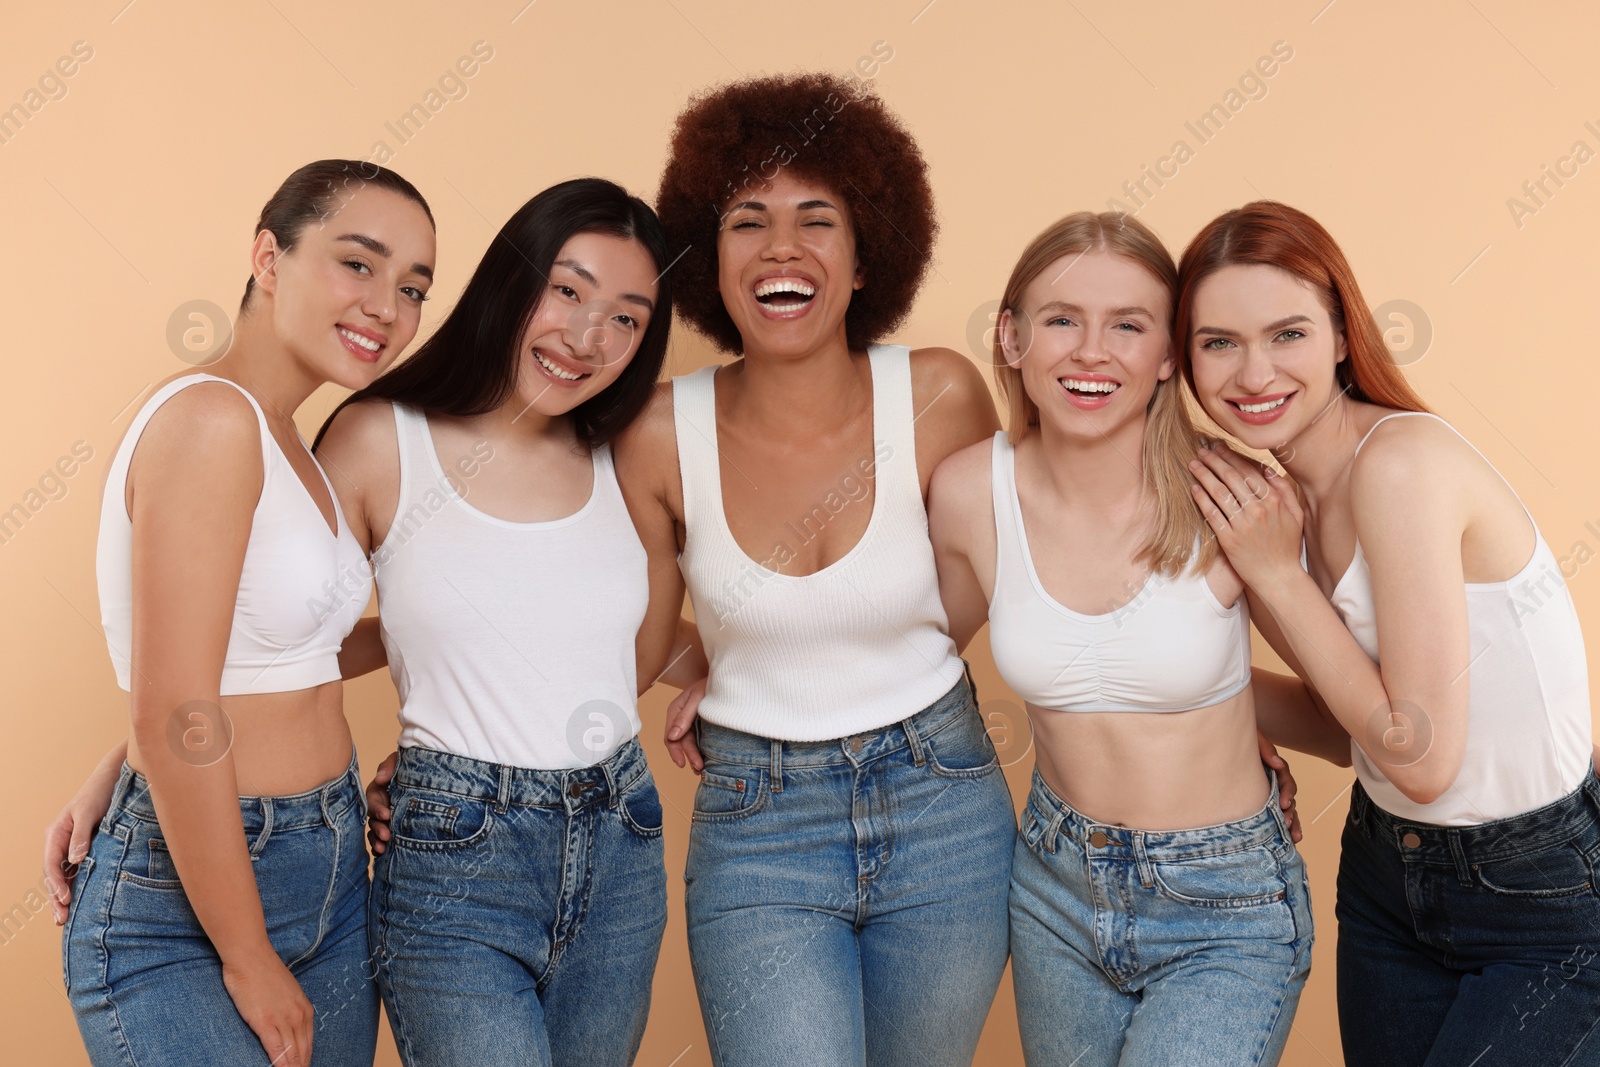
column 575, row 790
column 855, row 744
column 1099, row 839
column 1410, row 840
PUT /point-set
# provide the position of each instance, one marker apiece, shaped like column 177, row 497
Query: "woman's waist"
column 320, row 804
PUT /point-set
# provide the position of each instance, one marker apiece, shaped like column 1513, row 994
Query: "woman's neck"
column 1318, row 457
column 1103, row 473
column 812, row 393
column 259, row 361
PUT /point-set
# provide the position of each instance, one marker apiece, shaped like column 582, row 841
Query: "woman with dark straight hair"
column 520, row 891
column 1392, row 575
column 220, row 914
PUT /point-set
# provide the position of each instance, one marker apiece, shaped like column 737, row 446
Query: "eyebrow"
column 587, row 275
column 1270, row 327
column 377, row 247
column 1062, row 305
column 804, row 205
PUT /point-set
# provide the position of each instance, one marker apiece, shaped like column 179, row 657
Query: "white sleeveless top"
column 301, row 590
column 510, row 642
column 1529, row 734
column 858, row 645
column 1171, row 647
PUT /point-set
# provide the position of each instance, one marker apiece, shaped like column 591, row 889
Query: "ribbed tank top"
column 1529, row 734
column 1171, row 647
column 856, row 646
column 302, row 587
column 510, row 642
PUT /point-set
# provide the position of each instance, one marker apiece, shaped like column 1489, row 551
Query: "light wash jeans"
column 846, row 899
column 1136, row 948
column 517, row 914
column 143, row 977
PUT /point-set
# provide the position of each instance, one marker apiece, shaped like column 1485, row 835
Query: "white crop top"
column 510, row 642
column 1172, row 647
column 858, row 645
column 1529, row 734
column 301, row 590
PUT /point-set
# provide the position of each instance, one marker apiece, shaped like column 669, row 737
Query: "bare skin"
column 1428, row 510
column 794, row 416
column 1086, row 512
column 193, row 485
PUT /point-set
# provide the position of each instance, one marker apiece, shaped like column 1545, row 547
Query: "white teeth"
column 1256, row 409
column 365, row 342
column 566, row 376
column 1078, row 385
column 786, row 285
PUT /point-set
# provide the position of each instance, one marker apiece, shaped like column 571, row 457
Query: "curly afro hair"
column 821, row 127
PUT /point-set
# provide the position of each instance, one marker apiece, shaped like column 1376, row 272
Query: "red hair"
column 1268, row 233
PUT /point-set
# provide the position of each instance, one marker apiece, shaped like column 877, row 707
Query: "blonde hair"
column 1170, row 436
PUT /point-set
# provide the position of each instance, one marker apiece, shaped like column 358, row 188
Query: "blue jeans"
column 143, row 977
column 1135, row 947
column 1471, row 945
column 517, row 913
column 846, row 900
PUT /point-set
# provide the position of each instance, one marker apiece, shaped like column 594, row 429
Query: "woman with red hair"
column 1392, row 575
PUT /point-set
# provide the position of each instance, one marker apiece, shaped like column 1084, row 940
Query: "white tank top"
column 510, row 642
column 301, row 590
column 856, row 646
column 1171, row 647
column 1529, row 734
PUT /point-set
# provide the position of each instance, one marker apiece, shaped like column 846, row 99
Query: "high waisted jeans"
column 517, row 914
column 846, row 899
column 1135, row 947
column 1471, row 945
column 144, row 979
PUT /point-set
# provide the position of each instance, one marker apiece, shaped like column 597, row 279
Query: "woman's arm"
column 363, row 651
column 66, row 840
column 958, row 499
column 196, row 477
column 1410, row 715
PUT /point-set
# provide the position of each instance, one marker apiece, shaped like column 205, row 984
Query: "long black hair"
column 318, row 190
column 471, row 363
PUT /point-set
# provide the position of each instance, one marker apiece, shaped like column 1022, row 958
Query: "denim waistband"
column 426, row 768
column 1108, row 841
column 720, row 744
column 1461, row 846
column 315, row 807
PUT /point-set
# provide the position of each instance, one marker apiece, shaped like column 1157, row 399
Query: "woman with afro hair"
column 850, row 854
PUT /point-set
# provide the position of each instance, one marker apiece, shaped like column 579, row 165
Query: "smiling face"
column 1090, row 337
column 1263, row 350
column 347, row 298
column 589, row 322
column 786, row 264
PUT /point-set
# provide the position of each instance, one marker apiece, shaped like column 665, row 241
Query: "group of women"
column 844, row 515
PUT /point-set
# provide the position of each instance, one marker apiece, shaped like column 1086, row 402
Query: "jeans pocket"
column 729, row 798
column 640, row 808
column 432, row 820
column 80, row 887
column 1559, row 870
column 962, row 749
column 1247, row 878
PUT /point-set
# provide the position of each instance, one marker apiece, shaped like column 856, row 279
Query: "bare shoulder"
column 201, row 421
column 1417, row 460
column 961, row 492
column 945, row 374
column 646, row 452
column 361, row 431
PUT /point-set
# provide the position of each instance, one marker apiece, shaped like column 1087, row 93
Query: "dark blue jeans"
column 1471, row 945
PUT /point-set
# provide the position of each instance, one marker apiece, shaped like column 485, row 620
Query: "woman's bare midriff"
column 1154, row 770
column 283, row 743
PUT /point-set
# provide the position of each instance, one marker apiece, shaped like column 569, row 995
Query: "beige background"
column 1403, row 128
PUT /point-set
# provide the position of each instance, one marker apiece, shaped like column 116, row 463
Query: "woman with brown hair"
column 1156, row 875
column 1393, row 575
column 852, row 834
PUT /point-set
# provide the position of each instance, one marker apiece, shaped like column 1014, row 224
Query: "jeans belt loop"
column 502, row 798
column 1147, row 877
column 776, row 760
column 914, row 740
column 972, row 687
column 1052, row 833
column 1275, row 802
column 266, row 827
column 118, row 795
column 1591, row 788
column 611, row 782
column 1459, row 854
